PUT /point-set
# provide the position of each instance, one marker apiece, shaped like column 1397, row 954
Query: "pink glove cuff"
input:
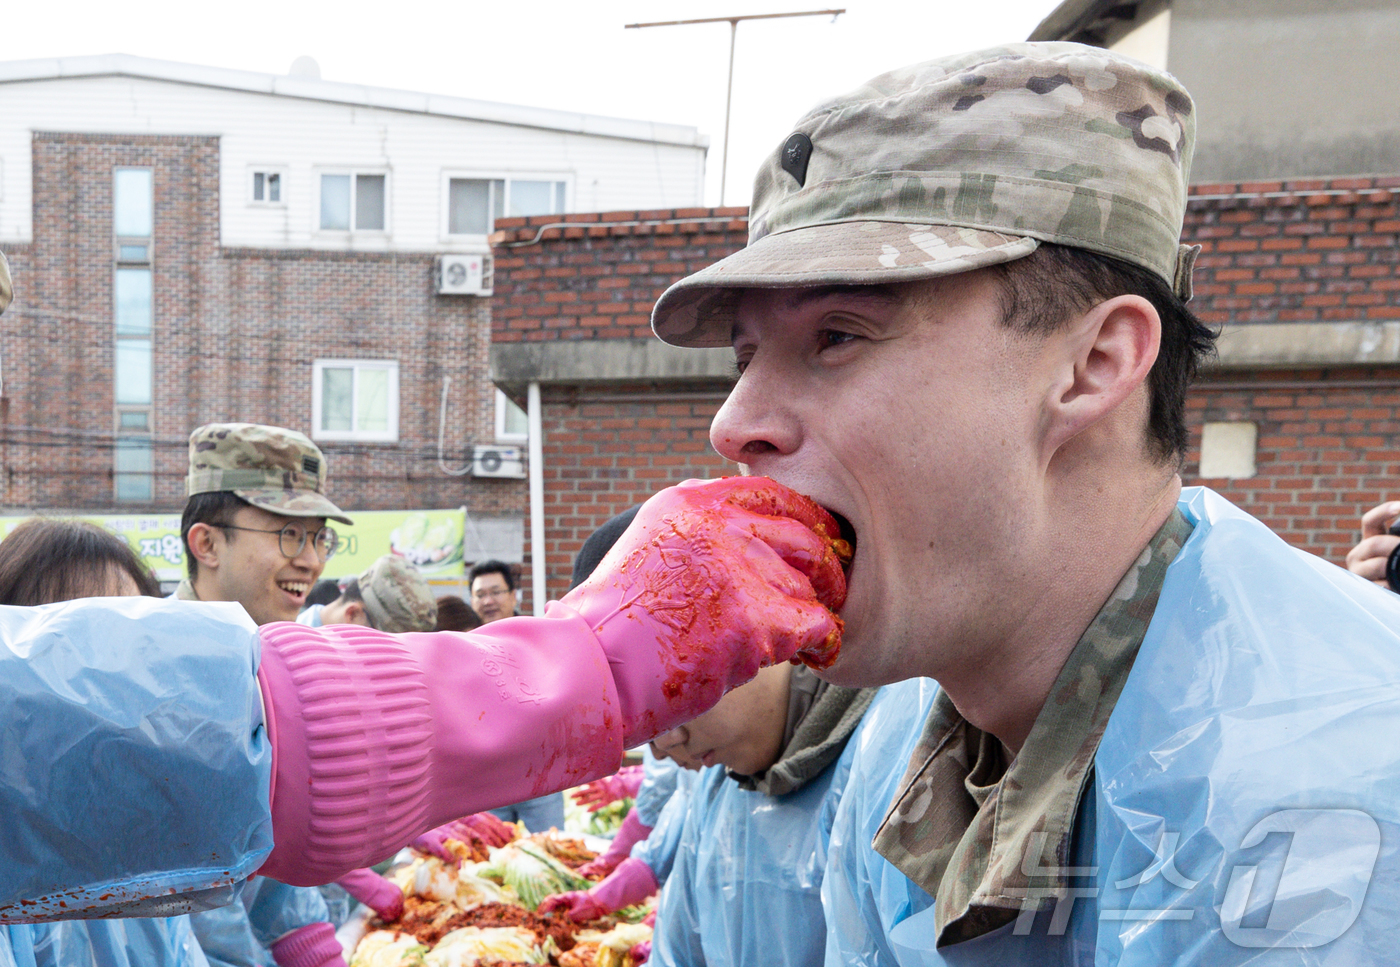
column 629, row 834
column 632, row 882
column 378, row 737
column 313, row 945
column 374, row 891
column 352, row 729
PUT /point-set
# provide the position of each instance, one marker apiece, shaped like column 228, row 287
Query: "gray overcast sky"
column 568, row 55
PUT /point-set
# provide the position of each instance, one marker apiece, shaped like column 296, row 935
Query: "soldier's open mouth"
column 845, row 546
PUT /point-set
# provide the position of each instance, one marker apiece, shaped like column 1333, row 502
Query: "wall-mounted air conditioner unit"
column 464, row 274
column 498, row 462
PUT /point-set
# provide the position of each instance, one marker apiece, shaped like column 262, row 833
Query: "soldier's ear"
column 1105, row 356
column 205, row 544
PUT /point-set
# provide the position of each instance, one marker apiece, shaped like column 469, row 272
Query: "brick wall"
column 598, row 277
column 604, row 453
column 1328, row 448
column 236, row 331
column 1296, row 251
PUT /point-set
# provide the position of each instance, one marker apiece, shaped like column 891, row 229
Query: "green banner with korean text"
column 429, row 539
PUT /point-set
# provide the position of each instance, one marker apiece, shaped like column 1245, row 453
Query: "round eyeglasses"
column 292, row 538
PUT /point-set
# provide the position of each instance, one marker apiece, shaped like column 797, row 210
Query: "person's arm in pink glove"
column 628, row 835
column 479, row 827
column 377, row 737
column 622, row 784
column 375, row 892
column 632, row 882
column 313, row 945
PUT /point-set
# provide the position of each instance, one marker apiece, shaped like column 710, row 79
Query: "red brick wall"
column 1328, row 449
column 1296, row 251
column 236, row 331
column 602, row 455
column 600, row 279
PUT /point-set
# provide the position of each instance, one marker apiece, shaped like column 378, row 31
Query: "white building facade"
column 307, row 163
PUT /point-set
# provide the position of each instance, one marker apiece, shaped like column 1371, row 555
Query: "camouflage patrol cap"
column 396, row 597
column 7, row 289
column 956, row 164
column 275, row 469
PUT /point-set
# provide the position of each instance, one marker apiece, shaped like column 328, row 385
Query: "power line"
column 733, row 33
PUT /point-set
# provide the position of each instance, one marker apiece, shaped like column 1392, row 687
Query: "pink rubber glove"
column 375, row 892
column 482, row 827
column 489, row 829
column 434, row 842
column 378, row 737
column 313, row 945
column 632, row 882
column 640, row 953
column 622, row 784
column 712, row 581
column 629, row 834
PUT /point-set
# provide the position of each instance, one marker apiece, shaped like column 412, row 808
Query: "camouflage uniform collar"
column 983, row 838
column 185, row 591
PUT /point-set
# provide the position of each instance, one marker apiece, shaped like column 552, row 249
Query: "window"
column 131, row 202
column 267, row 187
column 133, row 476
column 474, row 204
column 512, row 423
column 360, row 200
column 133, row 328
column 355, row 399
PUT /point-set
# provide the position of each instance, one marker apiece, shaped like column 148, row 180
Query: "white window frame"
column 364, row 436
column 278, row 170
column 501, row 435
column 445, row 219
column 352, row 230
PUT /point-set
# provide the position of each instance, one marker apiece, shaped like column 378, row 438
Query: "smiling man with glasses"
column 255, row 526
column 255, row 533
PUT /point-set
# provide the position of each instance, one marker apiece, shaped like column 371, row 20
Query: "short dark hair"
column 351, row 591
column 323, row 591
column 596, row 547
column 1044, row 290
column 215, row 509
column 454, row 614
column 45, row 560
column 492, row 567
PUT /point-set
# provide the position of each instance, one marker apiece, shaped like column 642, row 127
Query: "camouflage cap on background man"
column 396, row 597
column 272, row 468
column 956, row 164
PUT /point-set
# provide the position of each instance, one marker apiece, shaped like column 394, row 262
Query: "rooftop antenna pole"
column 733, row 34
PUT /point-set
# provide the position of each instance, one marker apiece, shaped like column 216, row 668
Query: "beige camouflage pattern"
column 959, row 163
column 987, row 841
column 7, row 288
column 396, row 597
column 272, row 468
